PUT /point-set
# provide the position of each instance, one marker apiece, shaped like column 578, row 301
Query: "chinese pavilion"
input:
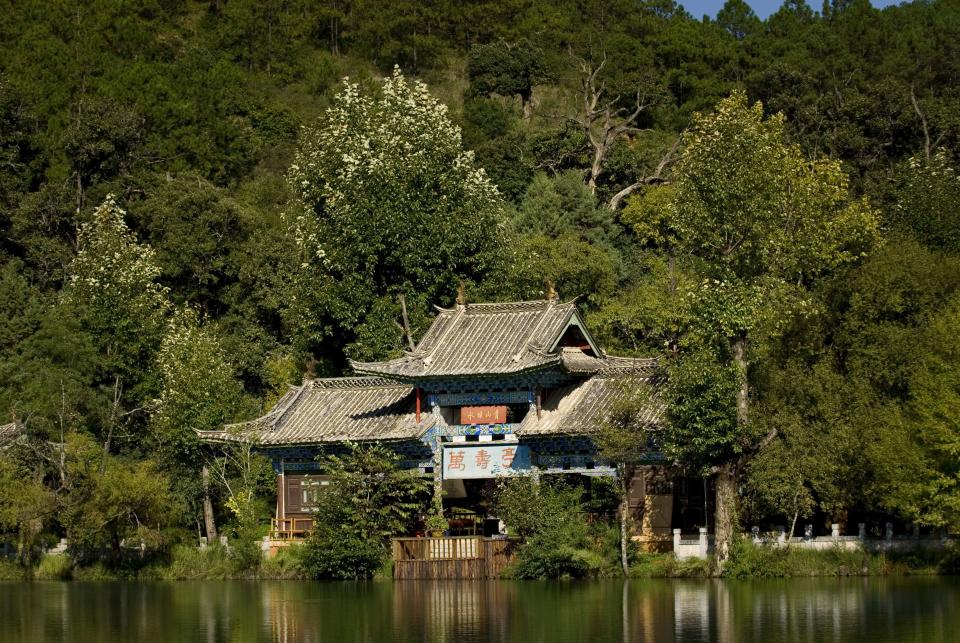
column 492, row 389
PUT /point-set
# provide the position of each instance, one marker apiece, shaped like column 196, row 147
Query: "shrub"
column 100, row 572
column 287, row 564
column 9, row 570
column 192, row 563
column 649, row 565
column 748, row 560
column 548, row 517
column 335, row 555
column 58, row 567
column 369, row 499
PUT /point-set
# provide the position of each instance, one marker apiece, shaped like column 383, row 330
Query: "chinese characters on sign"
column 483, row 415
column 485, row 460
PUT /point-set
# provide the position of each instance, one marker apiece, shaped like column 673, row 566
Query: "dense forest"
column 196, row 210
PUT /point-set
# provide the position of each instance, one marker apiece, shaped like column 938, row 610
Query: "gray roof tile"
column 482, row 339
column 334, row 410
column 584, row 406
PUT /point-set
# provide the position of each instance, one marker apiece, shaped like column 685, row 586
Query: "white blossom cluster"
column 111, row 272
column 366, row 146
column 935, row 178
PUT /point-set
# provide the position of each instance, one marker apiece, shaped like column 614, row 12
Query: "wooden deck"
column 290, row 528
column 457, row 558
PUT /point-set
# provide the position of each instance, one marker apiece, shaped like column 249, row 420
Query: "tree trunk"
column 209, row 520
column 739, row 350
column 626, row 475
column 526, row 100
column 725, row 513
column 596, row 167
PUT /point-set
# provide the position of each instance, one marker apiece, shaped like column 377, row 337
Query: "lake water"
column 849, row 610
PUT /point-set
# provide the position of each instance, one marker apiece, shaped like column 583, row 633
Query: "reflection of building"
column 492, row 389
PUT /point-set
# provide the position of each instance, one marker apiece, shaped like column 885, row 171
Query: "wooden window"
column 302, row 492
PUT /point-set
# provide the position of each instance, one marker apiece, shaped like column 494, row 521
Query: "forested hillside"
column 195, row 211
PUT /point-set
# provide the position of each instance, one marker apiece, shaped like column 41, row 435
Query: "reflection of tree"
column 644, row 611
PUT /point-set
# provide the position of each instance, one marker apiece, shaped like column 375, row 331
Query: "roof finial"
column 462, row 294
column 552, row 296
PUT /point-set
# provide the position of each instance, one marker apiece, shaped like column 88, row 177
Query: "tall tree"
column 199, row 393
column 389, row 203
column 113, row 288
column 763, row 224
column 508, row 70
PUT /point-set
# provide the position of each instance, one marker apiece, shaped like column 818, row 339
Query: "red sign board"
column 483, row 414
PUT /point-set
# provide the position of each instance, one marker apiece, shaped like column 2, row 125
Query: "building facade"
column 491, row 390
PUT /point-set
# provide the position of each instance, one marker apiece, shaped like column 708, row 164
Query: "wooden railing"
column 290, row 528
column 468, row 557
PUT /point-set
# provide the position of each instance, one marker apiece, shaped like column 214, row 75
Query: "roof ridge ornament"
column 291, row 403
column 552, row 295
column 529, row 345
column 461, row 294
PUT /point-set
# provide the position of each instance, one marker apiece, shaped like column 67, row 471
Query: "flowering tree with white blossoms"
column 389, row 204
column 112, row 290
column 928, row 200
column 113, row 282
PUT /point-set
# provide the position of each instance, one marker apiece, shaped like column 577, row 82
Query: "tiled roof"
column 334, row 410
column 482, row 339
column 471, row 339
column 367, row 408
column 584, row 406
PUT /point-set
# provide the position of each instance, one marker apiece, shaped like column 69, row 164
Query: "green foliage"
column 11, row 571
column 110, row 501
column 926, row 201
column 368, row 500
column 54, row 567
column 703, row 429
column 388, row 202
column 843, row 395
column 668, row 566
column 933, row 416
column 286, row 564
column 563, row 205
column 27, row 506
column 556, row 538
column 651, row 314
column 199, row 392
column 341, row 556
column 506, row 69
column 485, row 119
column 748, row 560
column 247, row 479
column 188, row 562
column 753, row 208
column 577, row 269
column 190, row 114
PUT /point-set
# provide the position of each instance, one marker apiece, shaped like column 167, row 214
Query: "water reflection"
column 875, row 610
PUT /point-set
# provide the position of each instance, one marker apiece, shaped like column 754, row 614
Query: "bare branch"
column 656, row 177
column 923, row 121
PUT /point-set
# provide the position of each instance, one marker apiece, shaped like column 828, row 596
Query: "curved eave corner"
column 230, row 433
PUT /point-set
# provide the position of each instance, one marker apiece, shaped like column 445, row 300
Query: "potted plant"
column 436, row 524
